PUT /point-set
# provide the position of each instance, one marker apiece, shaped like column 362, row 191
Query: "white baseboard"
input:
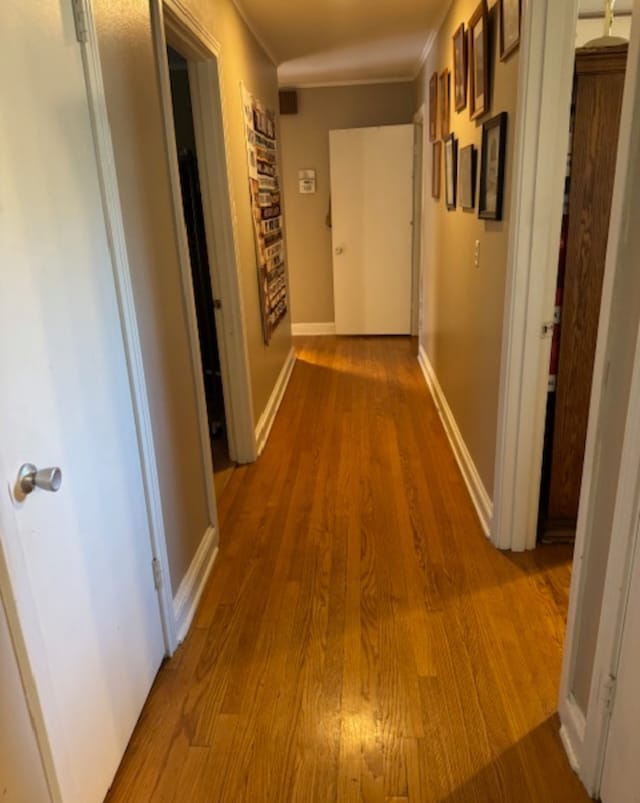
column 313, row 328
column 569, row 749
column 572, row 730
column 192, row 585
column 263, row 427
column 479, row 496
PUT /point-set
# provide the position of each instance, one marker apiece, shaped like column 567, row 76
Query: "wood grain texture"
column 360, row 639
column 598, row 98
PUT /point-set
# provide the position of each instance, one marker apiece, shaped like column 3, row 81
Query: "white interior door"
column 621, row 776
column 75, row 564
column 371, row 210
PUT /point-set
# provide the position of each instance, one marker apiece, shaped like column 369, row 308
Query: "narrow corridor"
column 359, row 638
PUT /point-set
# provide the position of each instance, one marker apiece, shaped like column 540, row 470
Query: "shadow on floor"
column 527, row 767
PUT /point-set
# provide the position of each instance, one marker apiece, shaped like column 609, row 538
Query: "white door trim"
column 587, row 740
column 22, row 618
column 173, row 20
column 545, row 81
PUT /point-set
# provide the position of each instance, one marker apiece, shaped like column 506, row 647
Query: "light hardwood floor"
column 359, row 638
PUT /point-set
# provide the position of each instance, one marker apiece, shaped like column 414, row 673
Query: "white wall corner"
column 185, row 602
column 298, row 329
column 263, row 427
column 478, row 493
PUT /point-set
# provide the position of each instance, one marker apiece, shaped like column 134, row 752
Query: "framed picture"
column 509, row 27
column 492, row 158
column 467, row 168
column 450, row 170
column 445, row 103
column 479, row 61
column 460, row 68
column 436, row 169
column 433, row 107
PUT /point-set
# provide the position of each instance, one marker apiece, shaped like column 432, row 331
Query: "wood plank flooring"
column 360, row 639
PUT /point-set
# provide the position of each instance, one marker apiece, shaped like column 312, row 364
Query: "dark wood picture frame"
column 450, row 171
column 511, row 44
column 467, row 174
column 479, row 102
column 436, row 169
column 492, row 165
column 444, row 92
column 460, row 68
column 433, row 107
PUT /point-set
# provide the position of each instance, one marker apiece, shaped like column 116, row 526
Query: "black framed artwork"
column 479, row 61
column 492, row 162
column 460, row 68
column 467, row 170
column 450, row 171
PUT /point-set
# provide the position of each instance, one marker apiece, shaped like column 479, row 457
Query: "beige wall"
column 22, row 778
column 588, row 29
column 305, row 144
column 133, row 102
column 463, row 305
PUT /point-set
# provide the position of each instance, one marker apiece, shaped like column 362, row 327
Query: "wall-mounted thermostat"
column 307, row 182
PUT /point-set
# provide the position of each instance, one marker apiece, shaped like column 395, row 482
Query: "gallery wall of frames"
column 460, row 175
column 468, row 95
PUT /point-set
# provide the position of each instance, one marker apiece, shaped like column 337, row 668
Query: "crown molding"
column 406, row 79
column 267, row 50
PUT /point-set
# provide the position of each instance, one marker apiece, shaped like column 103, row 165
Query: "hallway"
column 359, row 638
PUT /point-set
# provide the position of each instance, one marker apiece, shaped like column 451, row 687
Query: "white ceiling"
column 321, row 42
column 597, row 7
column 343, row 41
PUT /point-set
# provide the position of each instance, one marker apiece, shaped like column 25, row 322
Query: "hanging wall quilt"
column 264, row 187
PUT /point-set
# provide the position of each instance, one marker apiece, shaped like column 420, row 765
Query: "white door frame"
column 542, row 137
column 173, row 23
column 418, row 214
column 17, row 597
column 585, row 733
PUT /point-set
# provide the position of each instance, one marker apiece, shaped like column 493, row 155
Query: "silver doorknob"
column 47, row 479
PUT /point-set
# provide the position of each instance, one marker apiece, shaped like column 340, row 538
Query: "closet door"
column 598, row 98
column 372, row 209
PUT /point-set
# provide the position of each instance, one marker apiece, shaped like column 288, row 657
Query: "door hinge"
column 157, row 573
column 80, row 19
column 547, row 329
column 609, row 692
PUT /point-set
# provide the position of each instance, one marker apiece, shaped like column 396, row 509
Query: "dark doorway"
column 200, row 267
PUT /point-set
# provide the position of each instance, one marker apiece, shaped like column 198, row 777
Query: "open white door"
column 76, row 565
column 371, row 211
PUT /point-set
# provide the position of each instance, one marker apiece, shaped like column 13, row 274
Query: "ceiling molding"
column 599, row 15
column 426, row 51
column 254, row 33
column 428, row 45
column 407, row 79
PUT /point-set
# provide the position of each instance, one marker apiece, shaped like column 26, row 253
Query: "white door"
column 621, row 777
column 76, row 563
column 371, row 210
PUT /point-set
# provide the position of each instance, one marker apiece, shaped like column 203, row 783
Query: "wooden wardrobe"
column 599, row 83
